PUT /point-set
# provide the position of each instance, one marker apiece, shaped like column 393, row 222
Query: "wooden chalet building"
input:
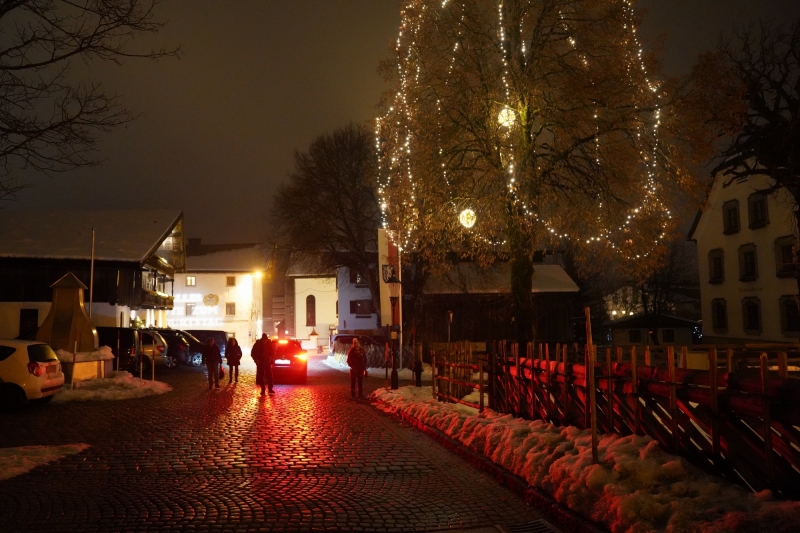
column 136, row 256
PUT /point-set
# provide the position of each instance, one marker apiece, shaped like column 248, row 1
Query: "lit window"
column 230, row 281
column 230, row 309
column 189, row 309
column 191, row 281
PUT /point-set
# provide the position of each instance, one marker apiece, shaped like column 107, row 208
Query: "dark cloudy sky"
column 258, row 80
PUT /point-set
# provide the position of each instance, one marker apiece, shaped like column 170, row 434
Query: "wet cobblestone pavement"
column 227, row 460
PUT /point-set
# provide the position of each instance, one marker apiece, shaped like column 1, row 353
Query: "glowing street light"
column 467, row 218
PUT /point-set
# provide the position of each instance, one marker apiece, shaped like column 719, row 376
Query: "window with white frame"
column 191, row 281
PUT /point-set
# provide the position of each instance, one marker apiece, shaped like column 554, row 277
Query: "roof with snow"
column 469, row 278
column 126, row 235
column 309, row 265
column 242, row 259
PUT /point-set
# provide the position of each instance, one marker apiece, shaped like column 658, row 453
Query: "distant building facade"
column 221, row 290
column 310, row 299
column 746, row 243
column 136, row 256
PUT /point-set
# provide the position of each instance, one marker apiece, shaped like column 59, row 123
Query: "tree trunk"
column 521, row 284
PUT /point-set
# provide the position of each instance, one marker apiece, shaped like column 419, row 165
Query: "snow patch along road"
column 17, row 461
column 637, row 486
column 118, row 386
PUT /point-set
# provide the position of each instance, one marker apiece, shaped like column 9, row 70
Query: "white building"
column 746, row 242
column 221, row 290
column 357, row 313
column 311, row 300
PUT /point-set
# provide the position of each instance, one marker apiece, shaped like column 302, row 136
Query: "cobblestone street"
column 306, row 459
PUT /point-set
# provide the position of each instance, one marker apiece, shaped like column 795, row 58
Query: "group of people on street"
column 263, row 354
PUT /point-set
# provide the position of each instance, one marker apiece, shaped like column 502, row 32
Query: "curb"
column 566, row 519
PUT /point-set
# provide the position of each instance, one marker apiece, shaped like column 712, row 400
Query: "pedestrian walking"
column 263, row 354
column 233, row 353
column 357, row 361
column 212, row 358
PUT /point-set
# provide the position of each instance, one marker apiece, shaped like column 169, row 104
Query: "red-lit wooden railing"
column 740, row 419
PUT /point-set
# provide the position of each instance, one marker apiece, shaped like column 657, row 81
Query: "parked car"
column 219, row 336
column 128, row 344
column 291, row 361
column 183, row 345
column 29, row 371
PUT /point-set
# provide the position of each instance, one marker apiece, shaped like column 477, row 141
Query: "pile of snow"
column 101, row 354
column 118, row 386
column 16, row 461
column 404, row 373
column 636, row 487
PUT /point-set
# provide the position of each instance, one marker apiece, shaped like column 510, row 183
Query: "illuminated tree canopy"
column 541, row 116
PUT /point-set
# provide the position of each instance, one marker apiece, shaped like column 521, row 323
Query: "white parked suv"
column 28, row 371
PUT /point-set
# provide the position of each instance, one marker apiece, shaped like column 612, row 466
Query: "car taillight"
column 160, row 348
column 34, row 369
column 301, row 356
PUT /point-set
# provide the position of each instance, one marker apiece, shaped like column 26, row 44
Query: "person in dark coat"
column 212, row 358
column 357, row 361
column 263, row 355
column 233, row 353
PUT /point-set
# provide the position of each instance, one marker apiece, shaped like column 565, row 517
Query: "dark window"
column 719, row 315
column 41, row 353
column 5, row 352
column 716, row 266
column 230, row 308
column 751, row 315
column 230, row 281
column 790, row 315
column 361, row 307
column 28, row 323
column 311, row 310
column 748, row 263
column 635, row 335
column 757, row 210
column 785, row 266
column 357, row 279
column 668, row 335
column 189, row 309
column 730, row 217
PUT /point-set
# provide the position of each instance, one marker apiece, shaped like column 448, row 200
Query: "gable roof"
column 309, row 265
column 241, row 258
column 128, row 235
column 469, row 278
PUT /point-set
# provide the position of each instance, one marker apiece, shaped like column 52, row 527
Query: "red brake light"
column 34, row 369
column 160, row 348
column 302, row 356
column 283, row 341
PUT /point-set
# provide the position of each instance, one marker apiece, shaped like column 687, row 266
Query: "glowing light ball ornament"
column 467, row 218
column 507, row 117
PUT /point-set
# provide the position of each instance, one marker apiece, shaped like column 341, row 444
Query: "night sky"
column 257, row 80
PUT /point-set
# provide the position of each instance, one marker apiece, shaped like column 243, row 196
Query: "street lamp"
column 393, row 284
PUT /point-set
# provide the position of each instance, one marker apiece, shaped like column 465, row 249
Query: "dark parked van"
column 220, row 337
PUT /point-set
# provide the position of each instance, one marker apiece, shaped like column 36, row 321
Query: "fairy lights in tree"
column 553, row 100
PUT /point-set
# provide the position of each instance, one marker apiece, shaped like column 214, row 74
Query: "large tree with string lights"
column 519, row 125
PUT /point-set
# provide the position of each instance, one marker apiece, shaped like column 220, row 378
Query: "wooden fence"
column 739, row 418
column 453, row 372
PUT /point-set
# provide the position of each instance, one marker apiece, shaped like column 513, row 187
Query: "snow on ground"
column 118, row 386
column 101, row 354
column 637, row 486
column 404, row 373
column 16, row 461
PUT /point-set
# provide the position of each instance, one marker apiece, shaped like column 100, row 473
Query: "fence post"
column 619, row 354
column 783, row 369
column 729, row 357
column 433, row 374
column 766, row 416
column 647, row 358
column 547, row 378
column 713, row 384
column 673, row 399
column 480, row 383
column 610, row 391
column 635, row 389
column 590, row 383
column 684, row 357
column 515, row 349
